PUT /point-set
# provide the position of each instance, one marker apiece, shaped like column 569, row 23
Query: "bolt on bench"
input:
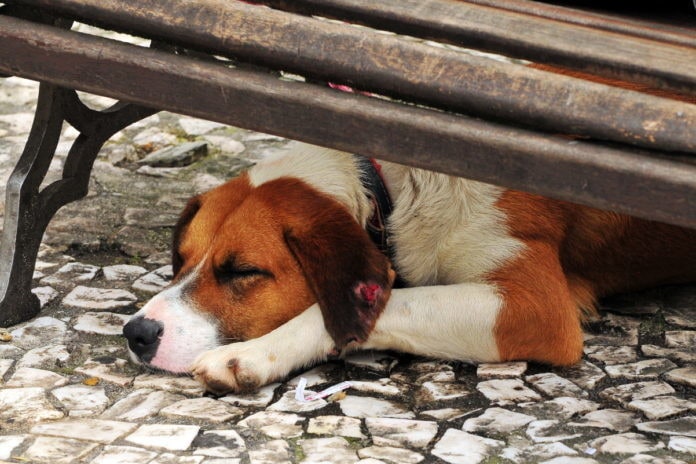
column 430, row 104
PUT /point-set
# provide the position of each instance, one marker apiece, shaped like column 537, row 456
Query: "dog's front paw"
column 239, row 367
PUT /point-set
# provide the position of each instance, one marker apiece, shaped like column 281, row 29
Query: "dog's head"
column 247, row 259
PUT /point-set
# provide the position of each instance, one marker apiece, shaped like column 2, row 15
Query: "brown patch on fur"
column 307, row 247
column 574, row 255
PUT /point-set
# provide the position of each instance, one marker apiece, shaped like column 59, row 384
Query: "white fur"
column 453, row 322
column 187, row 332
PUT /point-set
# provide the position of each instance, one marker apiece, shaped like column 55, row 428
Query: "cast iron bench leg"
column 28, row 210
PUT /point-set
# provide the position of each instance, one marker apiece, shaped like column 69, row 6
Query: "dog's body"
column 277, row 262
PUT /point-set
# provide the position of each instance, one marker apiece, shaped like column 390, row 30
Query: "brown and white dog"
column 274, row 271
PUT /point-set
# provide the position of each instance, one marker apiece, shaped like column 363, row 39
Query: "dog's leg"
column 455, row 321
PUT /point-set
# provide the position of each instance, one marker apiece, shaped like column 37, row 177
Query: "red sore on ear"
column 349, row 276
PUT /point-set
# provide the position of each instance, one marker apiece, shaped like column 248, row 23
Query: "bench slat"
column 661, row 188
column 437, row 77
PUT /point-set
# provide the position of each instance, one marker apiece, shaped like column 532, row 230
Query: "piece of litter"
column 311, row 396
column 590, row 451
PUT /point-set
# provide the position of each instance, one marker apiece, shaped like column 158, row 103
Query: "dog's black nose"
column 143, row 337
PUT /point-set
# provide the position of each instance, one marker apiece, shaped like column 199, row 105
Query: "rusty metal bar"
column 662, row 188
column 416, row 72
column 517, row 32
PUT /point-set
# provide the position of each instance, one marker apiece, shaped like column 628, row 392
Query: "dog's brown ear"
column 190, row 210
column 349, row 276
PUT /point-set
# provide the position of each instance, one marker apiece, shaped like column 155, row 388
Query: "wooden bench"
column 427, row 102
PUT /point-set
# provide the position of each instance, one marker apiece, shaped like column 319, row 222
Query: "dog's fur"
column 274, row 271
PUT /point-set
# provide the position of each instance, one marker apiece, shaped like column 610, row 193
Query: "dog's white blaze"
column 187, row 332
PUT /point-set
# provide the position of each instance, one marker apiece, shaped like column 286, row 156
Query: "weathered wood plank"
column 532, row 31
column 437, row 77
column 662, row 188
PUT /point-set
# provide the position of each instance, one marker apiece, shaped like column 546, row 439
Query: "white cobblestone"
column 103, row 323
column 102, row 431
column 401, row 432
column 496, row 421
column 274, row 424
column 164, row 436
column 123, row 455
column 459, row 447
column 57, row 450
column 81, row 400
column 206, row 409
column 364, row 406
column 102, row 299
column 506, row 391
column 335, row 425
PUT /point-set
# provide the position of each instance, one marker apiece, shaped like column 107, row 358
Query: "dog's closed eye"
column 230, row 270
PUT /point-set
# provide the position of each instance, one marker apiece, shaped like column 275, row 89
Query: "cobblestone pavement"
column 69, row 393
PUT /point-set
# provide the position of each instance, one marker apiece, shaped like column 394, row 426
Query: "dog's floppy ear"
column 349, row 276
column 190, row 210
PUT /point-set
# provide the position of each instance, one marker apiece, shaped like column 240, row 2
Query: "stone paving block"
column 384, row 387
column 584, row 374
column 681, row 339
column 219, row 444
column 206, row 409
column 123, row 272
column 683, row 444
column 164, row 436
column 616, row 420
column 38, row 332
column 626, row 393
column 684, row 376
column 274, row 424
column 682, row 317
column 563, row 407
column 365, row 406
column 625, row 443
column 103, row 323
column 25, row 377
column 26, row 405
column 70, row 273
column 81, row 400
column 102, row 431
column 675, row 354
column 570, row 460
column 507, row 391
column 55, row 450
column 389, row 454
column 170, row 383
column 335, row 425
column 501, row 370
column 398, row 433
column 169, row 458
column 497, row 421
column 288, row 403
column 683, row 426
column 195, row 126
column 373, row 360
column 9, row 443
column 123, row 455
column 155, row 281
column 107, row 368
column 49, row 356
column 102, row 299
column 548, row 431
column 272, row 452
column 430, row 392
column 554, row 385
column 141, row 404
column 335, row 450
column 10, row 351
column 537, row 453
column 650, row 459
column 5, row 366
column 259, row 399
column 648, row 369
column 457, row 447
column 315, row 376
column 45, row 294
column 661, row 407
column 447, row 414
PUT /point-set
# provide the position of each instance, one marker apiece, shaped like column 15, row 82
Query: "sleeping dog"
column 295, row 261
